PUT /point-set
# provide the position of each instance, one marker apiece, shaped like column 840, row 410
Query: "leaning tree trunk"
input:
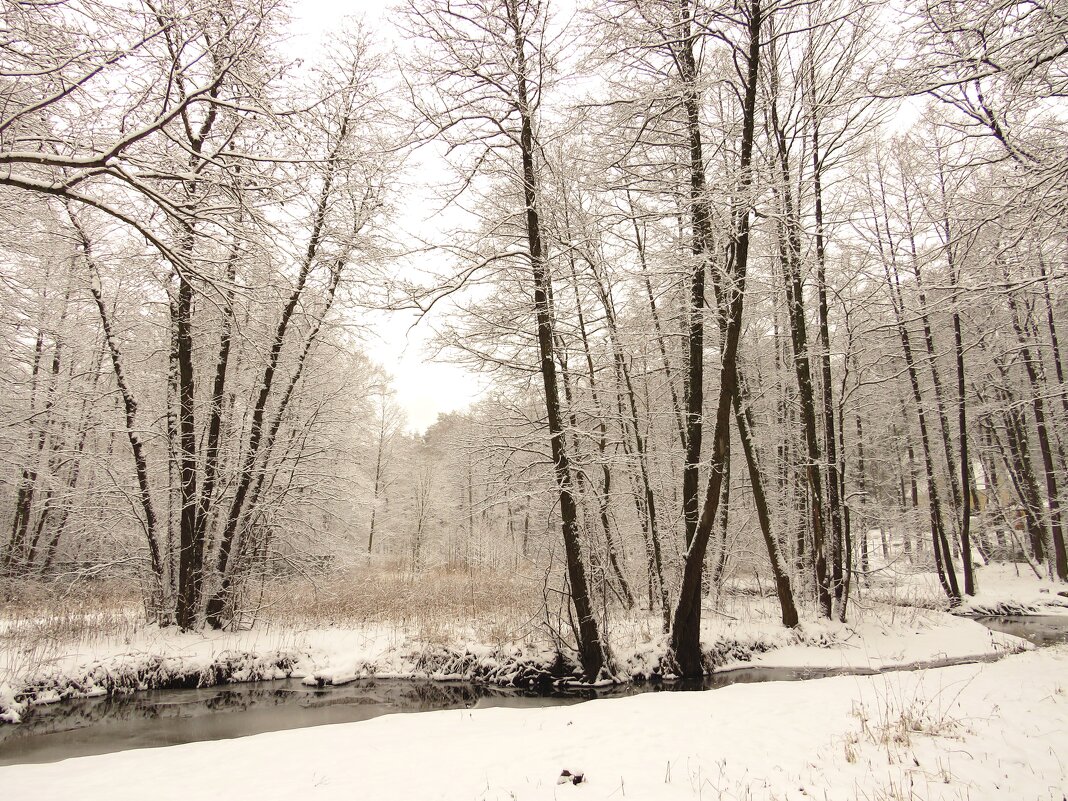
column 645, row 499
column 150, row 520
column 686, row 622
column 943, row 556
column 1016, row 453
column 217, row 602
column 779, row 572
column 593, row 651
column 936, row 376
column 654, row 313
column 246, row 473
column 605, row 491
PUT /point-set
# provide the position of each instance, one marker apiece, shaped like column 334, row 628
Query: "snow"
column 151, row 657
column 11, row 709
column 1002, row 589
column 1013, row 589
column 744, row 631
column 990, row 731
column 916, row 636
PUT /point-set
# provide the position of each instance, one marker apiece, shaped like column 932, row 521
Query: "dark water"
column 1042, row 630
column 81, row 727
column 168, row 717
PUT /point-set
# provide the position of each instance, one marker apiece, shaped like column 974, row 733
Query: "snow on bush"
column 141, row 671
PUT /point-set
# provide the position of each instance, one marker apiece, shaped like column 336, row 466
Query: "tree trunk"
column 14, row 555
column 680, row 416
column 834, row 500
column 594, row 653
column 246, row 474
column 862, row 491
column 789, row 249
column 1038, row 408
column 700, row 242
column 943, row 557
column 781, row 576
column 962, row 418
column 686, row 623
column 604, row 492
column 217, row 602
column 130, row 407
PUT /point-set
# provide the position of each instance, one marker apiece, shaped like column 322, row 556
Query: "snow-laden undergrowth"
column 134, row 672
column 541, row 665
column 522, row 664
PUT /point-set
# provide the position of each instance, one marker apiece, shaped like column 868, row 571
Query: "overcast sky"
column 424, row 388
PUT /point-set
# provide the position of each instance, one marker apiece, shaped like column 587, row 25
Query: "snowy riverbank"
column 150, row 657
column 990, row 731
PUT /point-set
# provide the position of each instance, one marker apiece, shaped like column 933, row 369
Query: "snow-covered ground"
column 1002, row 589
column 990, row 731
column 1008, row 589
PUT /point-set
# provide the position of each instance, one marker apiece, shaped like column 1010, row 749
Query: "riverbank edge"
column 526, row 665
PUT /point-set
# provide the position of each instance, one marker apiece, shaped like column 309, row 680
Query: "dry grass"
column 903, row 724
column 67, row 611
column 497, row 606
column 41, row 621
column 898, row 715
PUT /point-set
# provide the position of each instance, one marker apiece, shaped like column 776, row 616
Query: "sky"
column 424, row 387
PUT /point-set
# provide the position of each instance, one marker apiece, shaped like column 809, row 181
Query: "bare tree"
column 488, row 74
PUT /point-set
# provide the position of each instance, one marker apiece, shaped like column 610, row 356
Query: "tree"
column 389, row 418
column 208, row 137
column 488, row 71
column 686, row 623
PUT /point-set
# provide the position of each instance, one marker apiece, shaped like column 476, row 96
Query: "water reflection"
column 1042, row 630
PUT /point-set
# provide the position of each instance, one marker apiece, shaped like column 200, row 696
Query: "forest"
column 765, row 298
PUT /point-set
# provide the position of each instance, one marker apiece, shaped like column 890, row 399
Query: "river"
column 82, row 727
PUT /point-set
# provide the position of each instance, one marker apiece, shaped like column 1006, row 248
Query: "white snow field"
column 990, row 731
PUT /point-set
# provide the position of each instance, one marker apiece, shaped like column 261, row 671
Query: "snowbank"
column 1012, row 589
column 909, row 638
column 1002, row 589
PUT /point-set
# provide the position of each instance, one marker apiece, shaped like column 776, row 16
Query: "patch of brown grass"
column 500, row 606
column 40, row 620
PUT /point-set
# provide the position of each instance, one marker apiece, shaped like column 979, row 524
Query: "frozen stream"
column 169, row 717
